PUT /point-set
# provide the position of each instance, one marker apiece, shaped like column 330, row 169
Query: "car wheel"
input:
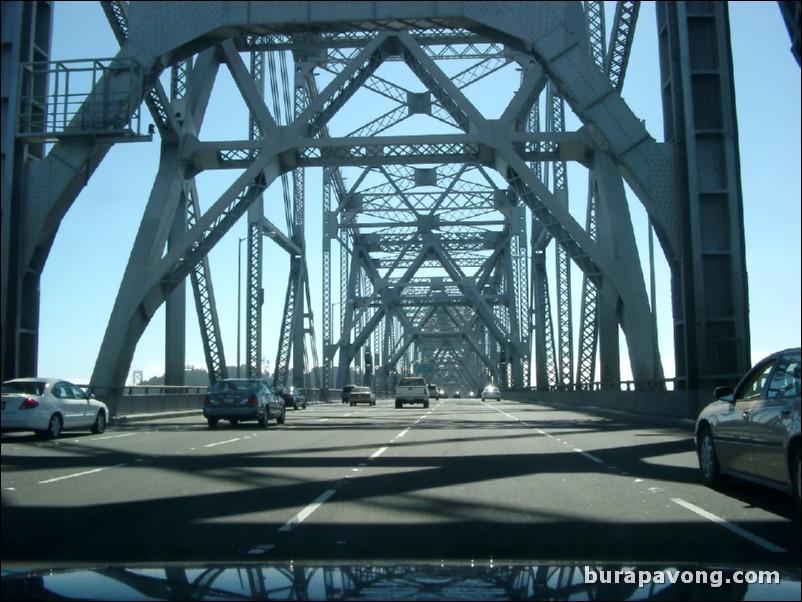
column 212, row 423
column 53, row 428
column 282, row 417
column 100, row 423
column 708, row 462
column 233, row 421
column 425, row 404
column 795, row 477
column 398, row 405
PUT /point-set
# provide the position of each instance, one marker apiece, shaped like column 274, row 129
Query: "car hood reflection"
column 409, row 581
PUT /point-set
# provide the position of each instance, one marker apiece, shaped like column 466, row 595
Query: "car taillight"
column 253, row 400
column 207, row 401
column 29, row 404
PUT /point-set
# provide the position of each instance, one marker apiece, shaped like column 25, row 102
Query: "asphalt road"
column 463, row 480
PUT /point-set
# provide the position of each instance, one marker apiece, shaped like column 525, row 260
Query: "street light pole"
column 239, row 299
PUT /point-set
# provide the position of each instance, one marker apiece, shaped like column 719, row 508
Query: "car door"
column 732, row 429
column 72, row 409
column 83, row 409
column 273, row 401
column 772, row 419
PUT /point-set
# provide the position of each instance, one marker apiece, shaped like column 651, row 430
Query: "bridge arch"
column 550, row 39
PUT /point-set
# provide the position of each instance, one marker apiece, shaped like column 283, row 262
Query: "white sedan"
column 48, row 405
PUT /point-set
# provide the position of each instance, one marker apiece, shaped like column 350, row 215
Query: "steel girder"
column 162, row 32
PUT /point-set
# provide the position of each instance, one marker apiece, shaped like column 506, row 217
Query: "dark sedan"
column 293, row 397
column 242, row 399
column 346, row 392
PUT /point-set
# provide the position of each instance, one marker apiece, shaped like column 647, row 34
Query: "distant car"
column 243, row 399
column 457, row 395
column 346, row 392
column 491, row 392
column 48, row 406
column 293, row 397
column 434, row 392
column 362, row 395
column 752, row 431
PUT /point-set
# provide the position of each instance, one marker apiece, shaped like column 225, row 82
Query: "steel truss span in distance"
column 431, row 142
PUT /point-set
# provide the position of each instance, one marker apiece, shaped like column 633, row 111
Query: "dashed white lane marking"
column 728, row 525
column 79, row 474
column 544, row 433
column 377, row 453
column 589, row 456
column 696, row 509
column 113, row 436
column 306, row 512
column 223, row 442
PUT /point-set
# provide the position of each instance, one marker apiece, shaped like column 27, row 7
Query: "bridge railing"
column 625, row 396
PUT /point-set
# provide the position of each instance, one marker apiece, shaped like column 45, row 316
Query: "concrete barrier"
column 129, row 405
column 662, row 404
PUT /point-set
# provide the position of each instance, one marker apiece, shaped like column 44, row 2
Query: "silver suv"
column 752, row 431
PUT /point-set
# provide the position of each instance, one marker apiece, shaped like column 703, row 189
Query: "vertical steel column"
column 175, row 317
column 175, row 312
column 26, row 37
column 710, row 296
column 328, row 233
column 254, row 291
column 562, row 262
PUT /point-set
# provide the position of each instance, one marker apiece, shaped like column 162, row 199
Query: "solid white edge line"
column 306, row 512
column 728, row 525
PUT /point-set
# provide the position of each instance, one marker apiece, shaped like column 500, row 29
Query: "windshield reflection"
column 442, row 581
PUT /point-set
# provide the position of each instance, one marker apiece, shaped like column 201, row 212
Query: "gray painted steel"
column 385, row 237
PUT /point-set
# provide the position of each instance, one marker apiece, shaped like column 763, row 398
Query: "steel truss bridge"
column 437, row 213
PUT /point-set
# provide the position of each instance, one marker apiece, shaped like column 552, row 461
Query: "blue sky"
column 95, row 239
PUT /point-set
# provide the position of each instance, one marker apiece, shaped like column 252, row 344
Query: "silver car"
column 491, row 392
column 242, row 399
column 49, row 406
column 362, row 395
column 751, row 431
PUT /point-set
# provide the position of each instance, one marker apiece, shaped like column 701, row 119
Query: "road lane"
column 462, row 479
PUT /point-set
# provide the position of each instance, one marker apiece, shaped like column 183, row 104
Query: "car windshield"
column 451, row 191
column 28, row 387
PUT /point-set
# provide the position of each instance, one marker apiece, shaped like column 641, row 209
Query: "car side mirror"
column 722, row 392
